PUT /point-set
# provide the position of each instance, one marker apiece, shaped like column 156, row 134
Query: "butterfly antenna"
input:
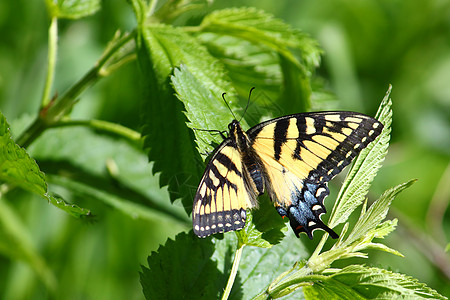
column 226, row 103
column 248, row 102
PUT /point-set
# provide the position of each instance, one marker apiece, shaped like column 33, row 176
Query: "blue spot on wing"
column 302, row 216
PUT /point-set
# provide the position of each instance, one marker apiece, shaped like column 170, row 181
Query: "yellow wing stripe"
column 309, row 158
column 346, row 131
column 310, row 126
column 326, row 141
column 354, row 120
column 333, row 118
column 337, row 136
column 267, row 132
column 292, row 131
column 318, row 149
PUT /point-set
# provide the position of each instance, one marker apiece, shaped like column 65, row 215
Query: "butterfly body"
column 291, row 157
column 253, row 173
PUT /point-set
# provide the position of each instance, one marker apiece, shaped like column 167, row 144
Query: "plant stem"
column 152, row 7
column 295, row 280
column 319, row 246
column 234, row 269
column 57, row 108
column 289, row 284
column 52, row 50
column 31, row 133
column 133, row 136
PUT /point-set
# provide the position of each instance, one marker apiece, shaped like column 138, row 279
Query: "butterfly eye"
column 232, row 126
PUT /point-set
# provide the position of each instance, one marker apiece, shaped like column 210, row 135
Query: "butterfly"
column 292, row 158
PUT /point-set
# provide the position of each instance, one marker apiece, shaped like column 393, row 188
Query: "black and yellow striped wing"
column 291, row 157
column 222, row 199
column 301, row 153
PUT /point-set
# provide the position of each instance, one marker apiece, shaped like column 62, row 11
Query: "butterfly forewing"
column 301, row 153
column 222, row 198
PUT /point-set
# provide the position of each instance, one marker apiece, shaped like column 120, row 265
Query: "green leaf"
column 359, row 282
column 168, row 11
column 259, row 27
column 174, row 47
column 384, row 228
column 265, row 33
column 382, row 247
column 367, row 228
column 182, row 269
column 206, row 264
column 331, row 290
column 72, row 9
column 364, row 169
column 249, row 65
column 75, row 171
column 204, row 110
column 169, row 142
column 263, row 227
column 296, row 91
column 259, row 266
column 376, row 213
column 15, row 243
column 72, row 209
column 18, row 168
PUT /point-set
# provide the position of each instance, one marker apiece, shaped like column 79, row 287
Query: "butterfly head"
column 233, row 127
column 238, row 136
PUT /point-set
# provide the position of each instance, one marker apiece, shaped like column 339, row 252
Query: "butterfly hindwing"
column 222, row 197
column 301, row 153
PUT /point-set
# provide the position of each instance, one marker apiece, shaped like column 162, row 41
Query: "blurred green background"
column 367, row 46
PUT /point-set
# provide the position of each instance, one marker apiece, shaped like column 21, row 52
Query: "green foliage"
column 258, row 34
column 369, row 220
column 187, row 55
column 18, row 168
column 359, row 282
column 204, row 109
column 260, row 28
column 72, row 9
column 368, row 227
column 85, row 173
column 263, row 227
column 176, row 158
column 199, row 268
column 169, row 267
column 16, row 243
